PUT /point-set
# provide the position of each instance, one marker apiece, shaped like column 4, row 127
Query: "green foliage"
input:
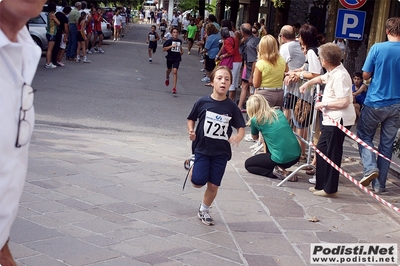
column 212, row 7
column 278, row 3
column 115, row 3
column 188, row 4
column 194, row 5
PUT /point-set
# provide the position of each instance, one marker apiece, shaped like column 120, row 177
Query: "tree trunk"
column 234, row 10
column 331, row 23
column 357, row 50
column 202, row 7
column 221, row 10
column 253, row 11
column 281, row 18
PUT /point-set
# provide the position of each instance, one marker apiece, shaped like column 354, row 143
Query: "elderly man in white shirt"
column 291, row 51
column 19, row 57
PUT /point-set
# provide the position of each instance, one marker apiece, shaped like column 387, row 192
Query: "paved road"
column 104, row 184
column 120, row 90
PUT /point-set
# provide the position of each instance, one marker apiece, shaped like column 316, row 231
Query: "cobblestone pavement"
column 116, row 199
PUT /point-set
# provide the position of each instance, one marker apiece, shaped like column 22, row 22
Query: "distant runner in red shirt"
column 97, row 18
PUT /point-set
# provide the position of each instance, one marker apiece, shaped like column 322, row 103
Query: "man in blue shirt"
column 381, row 106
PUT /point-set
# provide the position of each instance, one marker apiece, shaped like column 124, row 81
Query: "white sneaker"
column 114, row 39
column 205, row 79
column 88, row 51
column 51, row 65
column 278, row 173
column 189, row 162
column 101, row 50
column 205, row 217
column 86, row 60
column 249, row 138
column 312, row 180
column 78, row 59
column 258, row 148
column 255, row 145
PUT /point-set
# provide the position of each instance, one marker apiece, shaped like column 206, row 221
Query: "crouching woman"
column 283, row 149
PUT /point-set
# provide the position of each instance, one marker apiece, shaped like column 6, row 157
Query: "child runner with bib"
column 152, row 39
column 212, row 138
column 174, row 50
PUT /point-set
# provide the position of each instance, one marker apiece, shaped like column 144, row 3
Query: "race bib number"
column 151, row 37
column 216, row 126
column 162, row 27
column 177, row 47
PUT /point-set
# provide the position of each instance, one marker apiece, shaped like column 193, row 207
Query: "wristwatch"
column 325, row 104
column 301, row 75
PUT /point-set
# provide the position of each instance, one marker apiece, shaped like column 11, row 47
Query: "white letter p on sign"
column 347, row 24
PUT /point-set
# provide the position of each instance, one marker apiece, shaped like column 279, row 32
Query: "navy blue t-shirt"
column 214, row 128
column 173, row 54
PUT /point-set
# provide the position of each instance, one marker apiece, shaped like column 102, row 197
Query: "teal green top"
column 279, row 137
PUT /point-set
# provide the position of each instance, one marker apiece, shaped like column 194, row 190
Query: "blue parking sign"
column 350, row 24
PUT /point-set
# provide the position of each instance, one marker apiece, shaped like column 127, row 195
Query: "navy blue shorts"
column 173, row 64
column 208, row 169
column 50, row 38
column 153, row 46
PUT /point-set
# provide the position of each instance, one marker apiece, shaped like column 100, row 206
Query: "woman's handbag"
column 303, row 112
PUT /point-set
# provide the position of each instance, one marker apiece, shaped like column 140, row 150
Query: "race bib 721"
column 216, row 125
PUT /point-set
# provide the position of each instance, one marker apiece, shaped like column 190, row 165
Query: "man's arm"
column 66, row 29
column 367, row 75
column 252, row 73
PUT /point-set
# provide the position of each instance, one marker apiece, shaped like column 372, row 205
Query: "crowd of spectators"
column 303, row 58
column 77, row 31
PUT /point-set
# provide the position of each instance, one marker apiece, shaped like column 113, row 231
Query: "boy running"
column 212, row 139
column 191, row 29
column 152, row 39
column 174, row 50
column 163, row 28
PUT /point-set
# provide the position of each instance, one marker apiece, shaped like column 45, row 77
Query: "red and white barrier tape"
column 358, row 140
column 344, row 173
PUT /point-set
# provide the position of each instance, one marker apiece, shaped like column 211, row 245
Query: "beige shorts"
column 273, row 97
column 63, row 45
